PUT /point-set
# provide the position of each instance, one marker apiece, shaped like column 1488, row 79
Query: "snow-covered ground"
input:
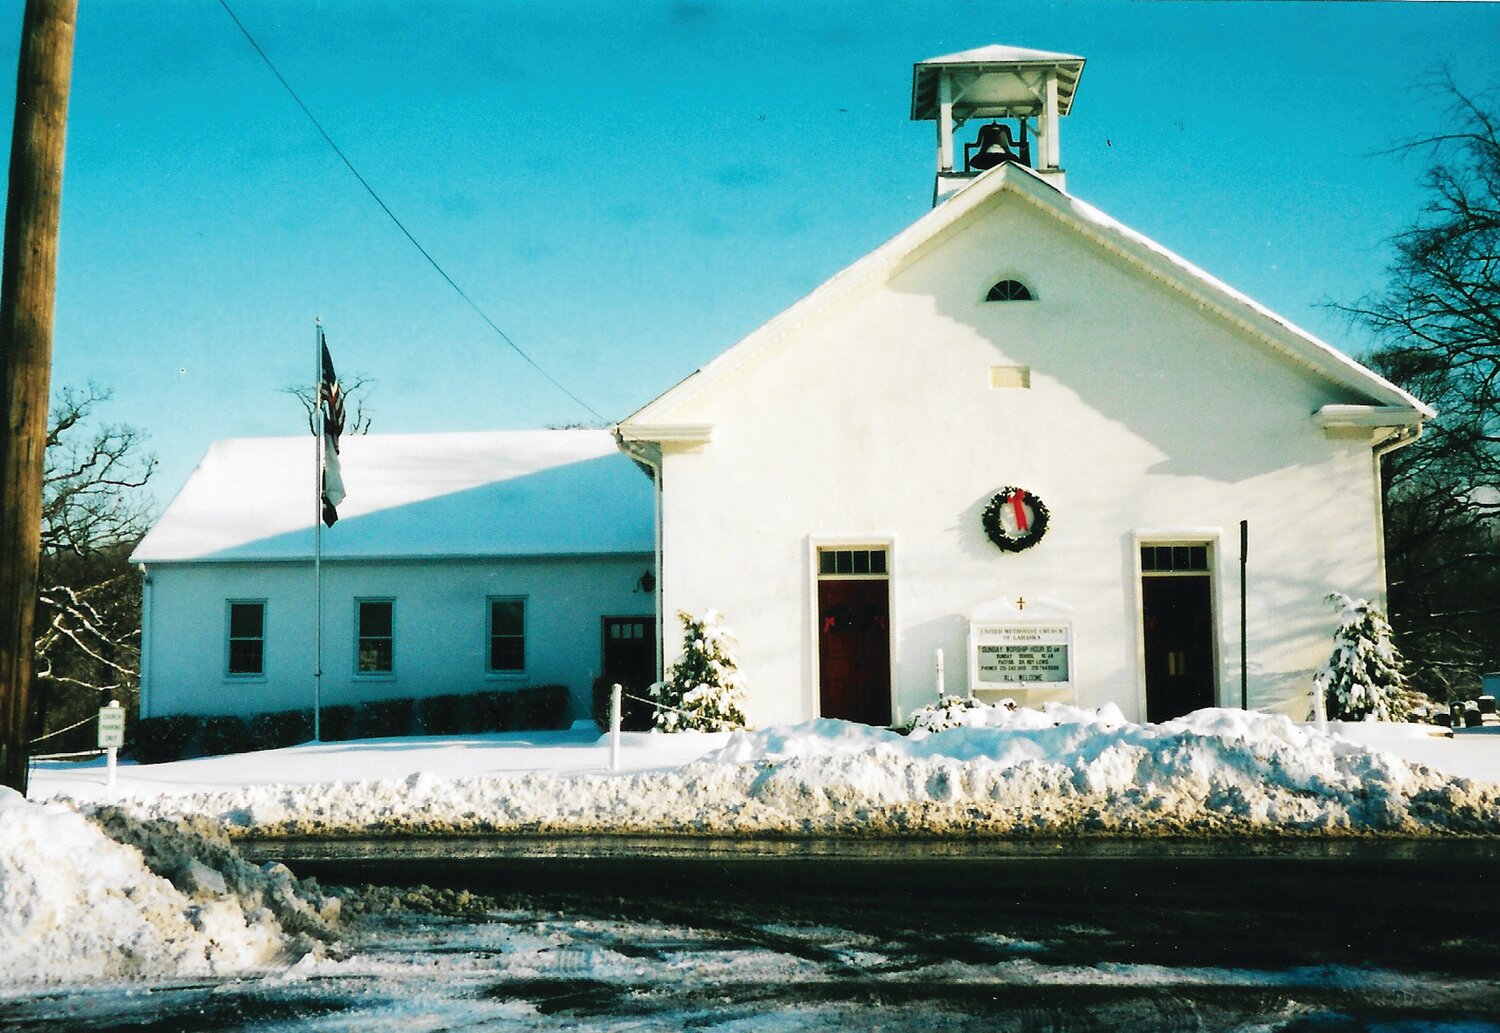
column 1058, row 770
column 151, row 885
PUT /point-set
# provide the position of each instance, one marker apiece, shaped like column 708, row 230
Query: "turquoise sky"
column 628, row 189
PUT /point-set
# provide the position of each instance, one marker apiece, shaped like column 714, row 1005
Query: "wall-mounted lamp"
column 646, row 583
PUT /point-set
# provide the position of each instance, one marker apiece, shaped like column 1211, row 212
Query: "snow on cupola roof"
column 486, row 494
column 990, row 96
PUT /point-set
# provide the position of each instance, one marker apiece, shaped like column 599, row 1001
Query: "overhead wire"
column 399, row 224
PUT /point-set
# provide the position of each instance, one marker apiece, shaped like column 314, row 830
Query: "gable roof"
column 491, row 494
column 1133, row 247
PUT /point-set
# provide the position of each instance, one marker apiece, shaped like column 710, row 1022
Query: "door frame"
column 1208, row 536
column 813, row 696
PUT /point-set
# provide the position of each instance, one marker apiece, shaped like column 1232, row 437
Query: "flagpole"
column 318, row 532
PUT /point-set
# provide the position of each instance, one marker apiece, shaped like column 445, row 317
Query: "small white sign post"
column 111, row 736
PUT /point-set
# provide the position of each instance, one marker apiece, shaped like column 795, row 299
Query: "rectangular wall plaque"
column 1015, row 655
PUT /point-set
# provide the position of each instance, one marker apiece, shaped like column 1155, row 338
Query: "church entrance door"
column 1178, row 630
column 854, row 636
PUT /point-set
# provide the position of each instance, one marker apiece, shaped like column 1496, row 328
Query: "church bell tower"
column 1018, row 95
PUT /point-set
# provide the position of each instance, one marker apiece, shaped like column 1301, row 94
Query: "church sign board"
column 1020, row 645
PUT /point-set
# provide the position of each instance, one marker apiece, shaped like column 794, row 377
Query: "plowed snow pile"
column 1061, row 770
column 147, row 899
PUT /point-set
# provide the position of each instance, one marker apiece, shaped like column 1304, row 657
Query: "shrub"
column 491, row 711
column 386, row 718
column 225, row 734
column 162, row 739
column 702, row 691
column 956, row 712
column 542, row 706
column 337, row 723
column 635, row 716
column 441, row 715
column 272, row 731
column 1363, row 679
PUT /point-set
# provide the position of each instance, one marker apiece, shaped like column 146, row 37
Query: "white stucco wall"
column 441, row 630
column 875, row 422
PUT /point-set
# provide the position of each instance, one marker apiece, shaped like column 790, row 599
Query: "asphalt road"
column 1413, row 905
column 529, row 933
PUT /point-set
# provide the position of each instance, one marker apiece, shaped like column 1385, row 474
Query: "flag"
column 331, row 398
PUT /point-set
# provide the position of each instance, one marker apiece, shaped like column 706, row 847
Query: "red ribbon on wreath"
column 1018, row 504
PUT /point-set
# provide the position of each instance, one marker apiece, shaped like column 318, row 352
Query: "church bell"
column 995, row 146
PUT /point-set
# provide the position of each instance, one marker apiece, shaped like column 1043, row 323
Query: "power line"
column 392, row 216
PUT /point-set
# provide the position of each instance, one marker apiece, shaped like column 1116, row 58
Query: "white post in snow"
column 942, row 682
column 614, row 726
column 318, row 534
column 1320, row 708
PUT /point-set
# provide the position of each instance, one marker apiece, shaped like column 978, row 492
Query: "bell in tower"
column 995, row 146
column 1023, row 92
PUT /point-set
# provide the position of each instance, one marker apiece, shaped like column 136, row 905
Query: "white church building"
column 1024, row 437
column 1010, row 452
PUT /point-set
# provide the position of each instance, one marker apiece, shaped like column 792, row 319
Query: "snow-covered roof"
column 999, row 95
column 1285, row 337
column 493, row 494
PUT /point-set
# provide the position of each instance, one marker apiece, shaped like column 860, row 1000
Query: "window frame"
column 230, row 638
column 989, row 294
column 360, row 636
column 855, row 553
column 489, row 638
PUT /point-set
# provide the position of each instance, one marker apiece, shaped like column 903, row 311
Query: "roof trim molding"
column 681, row 434
column 1332, row 417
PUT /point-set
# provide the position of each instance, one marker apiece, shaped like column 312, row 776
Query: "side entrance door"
column 629, row 653
column 854, row 635
column 1178, row 630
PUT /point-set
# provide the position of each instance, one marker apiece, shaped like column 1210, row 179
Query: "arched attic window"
column 1009, row 290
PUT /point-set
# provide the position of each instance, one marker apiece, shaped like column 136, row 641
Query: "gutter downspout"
column 1406, row 436
column 144, row 674
column 643, row 456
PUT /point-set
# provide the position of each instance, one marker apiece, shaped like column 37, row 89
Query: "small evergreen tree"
column 703, row 687
column 1362, row 680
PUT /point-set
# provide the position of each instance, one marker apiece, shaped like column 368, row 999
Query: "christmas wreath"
column 1015, row 519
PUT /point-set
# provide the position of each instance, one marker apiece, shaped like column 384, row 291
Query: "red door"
column 854, row 650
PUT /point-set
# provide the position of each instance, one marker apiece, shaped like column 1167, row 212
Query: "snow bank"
column 162, row 898
column 1057, row 771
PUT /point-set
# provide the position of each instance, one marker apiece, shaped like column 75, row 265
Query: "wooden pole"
column 27, row 288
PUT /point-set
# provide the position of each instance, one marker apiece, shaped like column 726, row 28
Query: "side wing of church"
column 1016, row 444
column 462, row 563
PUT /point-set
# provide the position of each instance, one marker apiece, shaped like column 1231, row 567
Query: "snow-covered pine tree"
column 703, row 686
column 1362, row 679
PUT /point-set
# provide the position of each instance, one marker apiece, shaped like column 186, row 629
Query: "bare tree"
column 356, row 391
column 1438, row 320
column 88, row 611
column 88, row 497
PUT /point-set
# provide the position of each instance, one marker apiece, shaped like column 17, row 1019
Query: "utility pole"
column 27, row 287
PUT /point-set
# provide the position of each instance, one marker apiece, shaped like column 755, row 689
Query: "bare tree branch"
column 356, row 390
